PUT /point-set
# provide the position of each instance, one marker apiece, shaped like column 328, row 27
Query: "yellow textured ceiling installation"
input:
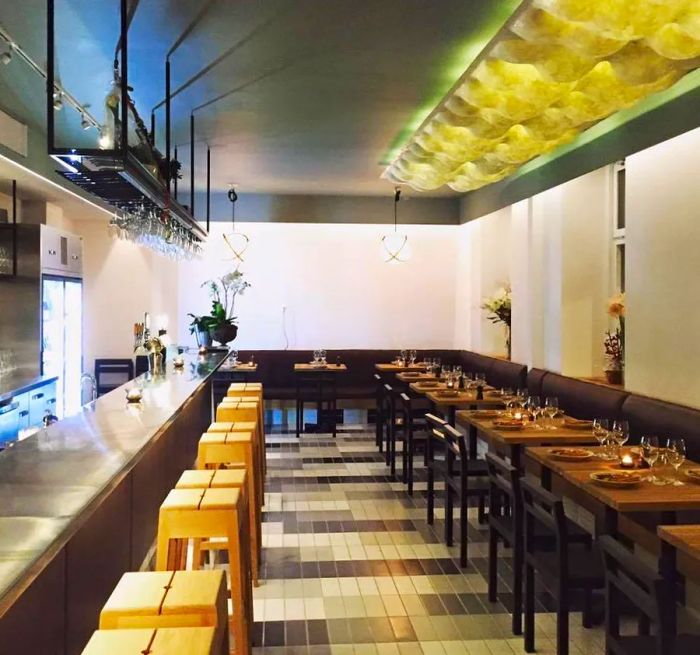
column 555, row 69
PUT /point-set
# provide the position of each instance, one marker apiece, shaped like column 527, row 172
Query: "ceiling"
column 314, row 94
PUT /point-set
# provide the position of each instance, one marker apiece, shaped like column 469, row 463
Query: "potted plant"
column 499, row 308
column 200, row 328
column 223, row 292
column 614, row 342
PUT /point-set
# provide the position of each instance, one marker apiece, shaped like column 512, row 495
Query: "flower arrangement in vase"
column 614, row 342
column 498, row 307
column 220, row 325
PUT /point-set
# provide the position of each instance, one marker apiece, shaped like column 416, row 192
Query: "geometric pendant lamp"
column 395, row 248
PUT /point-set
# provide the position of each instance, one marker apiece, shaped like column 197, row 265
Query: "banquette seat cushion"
column 583, row 399
column 652, row 417
column 503, row 373
column 534, row 381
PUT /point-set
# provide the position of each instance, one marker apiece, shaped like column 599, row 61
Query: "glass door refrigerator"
column 62, row 338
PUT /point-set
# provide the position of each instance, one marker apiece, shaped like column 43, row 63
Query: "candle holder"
column 133, row 395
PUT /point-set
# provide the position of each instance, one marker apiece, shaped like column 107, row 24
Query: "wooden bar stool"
column 218, row 449
column 242, row 410
column 210, row 514
column 170, row 599
column 164, row 641
column 252, row 390
column 228, row 478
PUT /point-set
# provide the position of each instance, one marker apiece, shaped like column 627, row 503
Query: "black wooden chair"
column 628, row 581
column 415, row 432
column 112, row 373
column 465, row 478
column 570, row 567
column 395, row 425
column 506, row 525
column 381, row 402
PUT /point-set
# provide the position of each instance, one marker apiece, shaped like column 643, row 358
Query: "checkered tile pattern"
column 350, row 565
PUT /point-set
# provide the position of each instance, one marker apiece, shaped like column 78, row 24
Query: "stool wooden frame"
column 228, row 478
column 161, row 641
column 208, row 514
column 170, row 599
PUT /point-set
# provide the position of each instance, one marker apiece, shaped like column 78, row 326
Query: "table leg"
column 298, row 408
column 334, row 405
column 610, row 521
column 516, row 456
column 472, row 436
column 451, row 413
column 667, row 569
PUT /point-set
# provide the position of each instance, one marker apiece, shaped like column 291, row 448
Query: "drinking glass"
column 402, row 356
column 675, row 449
column 445, row 372
column 660, row 473
column 533, row 406
column 412, row 357
column 480, row 379
column 322, row 354
column 551, row 409
column 619, row 434
column 317, row 356
column 650, row 452
column 601, row 431
column 457, row 368
column 234, row 357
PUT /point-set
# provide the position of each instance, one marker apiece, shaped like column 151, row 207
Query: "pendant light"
column 395, row 246
column 236, row 241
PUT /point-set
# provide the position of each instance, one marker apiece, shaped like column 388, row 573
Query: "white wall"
column 121, row 282
column 483, row 267
column 337, row 291
column 663, row 270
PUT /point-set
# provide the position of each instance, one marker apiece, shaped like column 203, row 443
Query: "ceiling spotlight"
column 6, row 57
column 57, row 100
column 84, row 122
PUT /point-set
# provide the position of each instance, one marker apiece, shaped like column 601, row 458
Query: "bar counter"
column 79, row 504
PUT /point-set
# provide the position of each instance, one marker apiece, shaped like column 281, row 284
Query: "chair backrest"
column 112, row 373
column 455, row 442
column 503, row 477
column 546, row 509
column 648, row 591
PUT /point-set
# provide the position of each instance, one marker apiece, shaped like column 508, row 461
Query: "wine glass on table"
column 650, row 452
column 317, row 356
column 533, row 406
column 620, row 434
column 675, row 449
column 402, row 357
column 322, row 354
column 412, row 357
column 601, row 431
column 551, row 409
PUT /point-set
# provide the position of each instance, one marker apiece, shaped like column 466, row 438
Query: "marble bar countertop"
column 48, row 479
column 16, row 383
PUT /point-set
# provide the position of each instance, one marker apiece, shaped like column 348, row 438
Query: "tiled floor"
column 351, row 566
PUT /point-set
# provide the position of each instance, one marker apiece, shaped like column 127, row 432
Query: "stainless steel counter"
column 48, row 481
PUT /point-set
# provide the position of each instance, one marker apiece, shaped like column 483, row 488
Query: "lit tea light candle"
column 518, row 416
column 627, row 461
column 133, row 395
column 178, row 362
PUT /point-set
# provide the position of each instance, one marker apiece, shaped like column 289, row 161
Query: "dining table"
column 636, row 512
column 318, row 377
column 416, row 376
column 511, row 442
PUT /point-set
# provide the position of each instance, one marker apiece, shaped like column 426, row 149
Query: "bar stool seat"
column 210, row 514
column 219, row 449
column 170, row 599
column 246, row 410
column 250, row 390
column 222, row 479
column 163, row 641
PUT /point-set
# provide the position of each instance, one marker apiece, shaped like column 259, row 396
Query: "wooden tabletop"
column 529, row 436
column 685, row 538
column 542, row 455
column 646, row 497
column 396, row 368
column 307, row 367
column 415, row 376
column 464, row 398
